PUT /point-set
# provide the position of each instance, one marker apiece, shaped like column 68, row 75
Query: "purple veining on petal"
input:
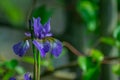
column 42, row 47
column 41, row 31
column 46, row 46
column 37, row 27
column 39, row 46
column 21, row 48
column 56, row 48
column 27, row 76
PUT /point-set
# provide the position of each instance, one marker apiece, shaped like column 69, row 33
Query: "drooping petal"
column 21, row 48
column 47, row 26
column 39, row 47
column 46, row 46
column 37, row 27
column 12, row 78
column 56, row 48
column 27, row 76
column 43, row 47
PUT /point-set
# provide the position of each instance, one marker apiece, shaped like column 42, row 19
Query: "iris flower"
column 26, row 77
column 43, row 40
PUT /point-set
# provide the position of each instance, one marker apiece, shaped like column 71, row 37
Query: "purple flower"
column 26, row 77
column 21, row 48
column 12, row 78
column 41, row 31
column 43, row 40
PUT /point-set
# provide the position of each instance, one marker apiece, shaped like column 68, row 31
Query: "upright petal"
column 39, row 47
column 27, row 76
column 21, row 48
column 37, row 26
column 47, row 26
column 56, row 48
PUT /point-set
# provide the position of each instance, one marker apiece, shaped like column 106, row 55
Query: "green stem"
column 38, row 64
column 35, row 63
column 34, row 53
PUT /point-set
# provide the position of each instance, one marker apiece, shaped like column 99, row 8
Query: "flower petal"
column 48, row 35
column 37, row 26
column 47, row 26
column 46, row 46
column 28, row 34
column 56, row 48
column 21, row 48
column 39, row 47
column 12, row 78
column 27, row 76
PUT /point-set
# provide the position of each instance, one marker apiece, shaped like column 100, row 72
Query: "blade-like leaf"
column 28, row 59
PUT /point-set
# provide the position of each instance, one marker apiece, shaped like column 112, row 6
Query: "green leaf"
column 1, row 63
column 48, row 64
column 91, row 74
column 45, row 63
column 108, row 40
column 43, row 13
column 86, row 9
column 116, row 69
column 90, row 69
column 19, row 70
column 116, row 33
column 8, row 75
column 82, row 63
column 11, row 64
column 1, row 70
column 85, row 63
column 97, row 55
column 28, row 59
column 92, row 25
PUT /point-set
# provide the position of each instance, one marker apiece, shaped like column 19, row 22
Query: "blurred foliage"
column 10, row 68
column 108, row 40
column 118, row 3
column 97, row 55
column 28, row 59
column 12, row 12
column 11, row 64
column 91, row 69
column 116, row 69
column 43, row 13
column 115, row 40
column 116, row 35
column 88, row 11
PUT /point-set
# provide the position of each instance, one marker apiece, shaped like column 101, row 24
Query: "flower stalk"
column 38, row 65
column 34, row 52
column 35, row 63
